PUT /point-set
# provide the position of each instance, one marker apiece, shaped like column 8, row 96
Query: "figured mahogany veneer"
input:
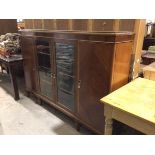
column 82, row 68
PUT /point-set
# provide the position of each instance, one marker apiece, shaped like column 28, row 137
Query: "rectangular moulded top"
column 106, row 36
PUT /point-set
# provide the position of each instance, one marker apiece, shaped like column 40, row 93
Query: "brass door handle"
column 104, row 23
column 79, row 84
column 54, row 76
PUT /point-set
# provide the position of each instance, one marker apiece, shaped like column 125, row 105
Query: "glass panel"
column 44, row 61
column 45, row 75
column 43, row 46
column 44, row 67
column 65, row 67
column 65, row 52
column 65, row 82
column 45, row 82
column 66, row 99
column 65, row 74
column 43, row 53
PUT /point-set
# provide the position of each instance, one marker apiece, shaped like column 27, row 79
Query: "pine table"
column 133, row 105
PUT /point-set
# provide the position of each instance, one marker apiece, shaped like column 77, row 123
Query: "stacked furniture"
column 148, row 56
column 72, row 70
column 9, row 44
column 11, row 58
column 149, row 71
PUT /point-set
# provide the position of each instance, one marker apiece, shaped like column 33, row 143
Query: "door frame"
column 50, row 40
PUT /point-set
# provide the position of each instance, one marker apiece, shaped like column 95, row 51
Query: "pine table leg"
column 108, row 126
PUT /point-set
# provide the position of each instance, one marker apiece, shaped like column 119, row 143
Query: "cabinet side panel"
column 122, row 63
column 27, row 52
column 95, row 63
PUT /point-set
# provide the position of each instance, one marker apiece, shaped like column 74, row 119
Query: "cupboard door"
column 44, row 66
column 95, row 63
column 65, row 69
column 27, row 44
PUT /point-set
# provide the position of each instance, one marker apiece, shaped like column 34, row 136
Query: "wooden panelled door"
column 94, row 77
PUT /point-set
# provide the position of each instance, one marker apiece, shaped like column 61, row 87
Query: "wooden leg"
column 27, row 93
column 39, row 101
column 108, row 126
column 55, row 110
column 78, row 126
column 7, row 70
column 14, row 82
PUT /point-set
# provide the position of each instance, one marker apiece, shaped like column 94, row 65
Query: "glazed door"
column 44, row 60
column 27, row 46
column 66, row 73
